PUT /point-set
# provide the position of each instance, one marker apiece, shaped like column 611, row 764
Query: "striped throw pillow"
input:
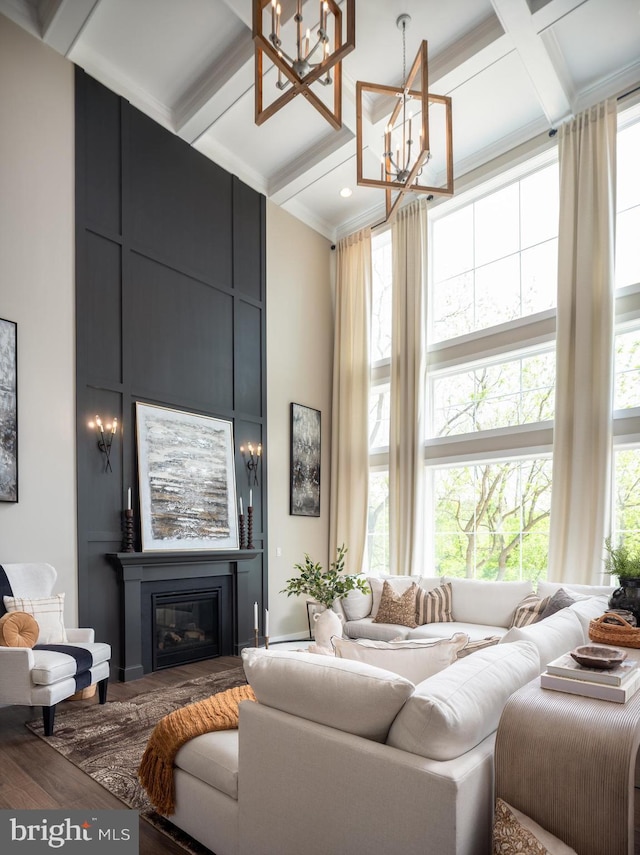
column 528, row 611
column 434, row 606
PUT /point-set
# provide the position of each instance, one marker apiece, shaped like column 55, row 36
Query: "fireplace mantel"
column 136, row 568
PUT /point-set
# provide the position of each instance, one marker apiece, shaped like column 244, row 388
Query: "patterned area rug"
column 107, row 742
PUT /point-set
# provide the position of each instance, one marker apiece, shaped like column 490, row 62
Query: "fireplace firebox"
column 185, row 628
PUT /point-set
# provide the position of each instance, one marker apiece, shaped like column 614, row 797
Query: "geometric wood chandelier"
column 309, row 59
column 405, row 165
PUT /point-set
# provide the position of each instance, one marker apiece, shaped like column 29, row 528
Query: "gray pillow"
column 560, row 600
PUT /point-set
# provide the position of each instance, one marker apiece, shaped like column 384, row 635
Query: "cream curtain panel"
column 408, row 376
column 350, row 406
column 584, row 372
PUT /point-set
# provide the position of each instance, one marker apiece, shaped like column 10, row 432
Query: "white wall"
column 37, row 291
column 299, row 360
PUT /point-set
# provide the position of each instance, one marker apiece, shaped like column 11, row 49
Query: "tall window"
column 491, row 380
column 625, row 516
column 491, row 373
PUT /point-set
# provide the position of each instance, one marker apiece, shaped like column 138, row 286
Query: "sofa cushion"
column 456, row 709
column 588, row 609
column 213, row 758
column 357, row 605
column 554, row 636
column 514, row 833
column 349, row 696
column 366, row 628
column 49, row 613
column 434, row 606
column 475, row 631
column 547, row 589
column 50, row 666
column 528, row 611
column 489, row 603
column 397, row 608
column 415, row 660
column 557, row 601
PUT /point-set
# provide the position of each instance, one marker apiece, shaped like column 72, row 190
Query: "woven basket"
column 83, row 694
column 620, row 633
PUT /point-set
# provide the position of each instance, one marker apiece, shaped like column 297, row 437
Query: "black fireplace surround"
column 179, row 607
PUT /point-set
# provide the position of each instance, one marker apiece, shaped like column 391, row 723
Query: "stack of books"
column 618, row 684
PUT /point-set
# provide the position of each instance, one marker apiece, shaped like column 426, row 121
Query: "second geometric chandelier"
column 398, row 155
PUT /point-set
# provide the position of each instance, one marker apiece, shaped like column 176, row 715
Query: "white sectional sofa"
column 344, row 757
column 341, row 757
column 480, row 609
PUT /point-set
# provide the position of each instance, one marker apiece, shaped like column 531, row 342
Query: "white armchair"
column 47, row 674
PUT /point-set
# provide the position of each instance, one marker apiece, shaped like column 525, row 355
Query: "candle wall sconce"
column 252, row 457
column 105, row 434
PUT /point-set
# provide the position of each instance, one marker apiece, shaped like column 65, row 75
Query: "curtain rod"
column 635, row 89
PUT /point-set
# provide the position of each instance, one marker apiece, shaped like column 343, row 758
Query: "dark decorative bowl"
column 598, row 656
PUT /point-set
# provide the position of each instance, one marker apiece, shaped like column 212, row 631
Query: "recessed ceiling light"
column 346, row 192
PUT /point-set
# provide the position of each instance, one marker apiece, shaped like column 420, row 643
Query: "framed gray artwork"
column 8, row 411
column 187, row 482
column 305, row 461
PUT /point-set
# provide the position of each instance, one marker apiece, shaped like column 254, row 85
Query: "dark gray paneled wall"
column 170, row 302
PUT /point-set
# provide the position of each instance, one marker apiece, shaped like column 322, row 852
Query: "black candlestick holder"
column 250, row 527
column 242, row 532
column 128, row 542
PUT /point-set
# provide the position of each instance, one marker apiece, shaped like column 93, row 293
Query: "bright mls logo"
column 39, row 831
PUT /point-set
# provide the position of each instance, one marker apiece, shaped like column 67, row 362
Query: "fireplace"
column 179, row 607
column 185, row 620
column 184, row 628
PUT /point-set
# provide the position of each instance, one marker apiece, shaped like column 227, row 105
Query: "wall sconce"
column 252, row 461
column 105, row 438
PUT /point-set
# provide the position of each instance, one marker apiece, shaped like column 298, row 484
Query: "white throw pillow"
column 489, row 603
column 415, row 660
column 48, row 611
column 453, row 711
column 588, row 609
column 357, row 605
column 553, row 636
column 349, row 696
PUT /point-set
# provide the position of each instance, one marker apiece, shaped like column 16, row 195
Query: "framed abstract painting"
column 8, row 411
column 186, row 478
column 305, row 461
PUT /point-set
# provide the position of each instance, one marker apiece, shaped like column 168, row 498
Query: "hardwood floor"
column 36, row 776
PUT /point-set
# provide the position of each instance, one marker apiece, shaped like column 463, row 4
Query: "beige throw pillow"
column 48, row 612
column 514, row 833
column 397, row 608
column 529, row 610
column 415, row 660
column 434, row 606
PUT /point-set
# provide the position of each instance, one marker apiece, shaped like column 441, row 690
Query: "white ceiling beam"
column 23, row 14
column 219, row 88
column 62, row 21
column 518, row 23
column 553, row 12
column 242, row 9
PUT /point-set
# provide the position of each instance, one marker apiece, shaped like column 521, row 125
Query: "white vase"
column 327, row 623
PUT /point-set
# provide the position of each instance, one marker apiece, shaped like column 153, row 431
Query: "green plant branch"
column 324, row 586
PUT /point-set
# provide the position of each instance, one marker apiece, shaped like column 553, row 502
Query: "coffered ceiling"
column 514, row 69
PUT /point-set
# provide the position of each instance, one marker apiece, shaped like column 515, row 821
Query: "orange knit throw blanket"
column 219, row 712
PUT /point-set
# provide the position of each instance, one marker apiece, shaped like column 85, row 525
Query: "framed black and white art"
column 305, row 461
column 187, row 481
column 8, row 411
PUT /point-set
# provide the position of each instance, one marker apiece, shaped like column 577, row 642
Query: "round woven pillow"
column 18, row 629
